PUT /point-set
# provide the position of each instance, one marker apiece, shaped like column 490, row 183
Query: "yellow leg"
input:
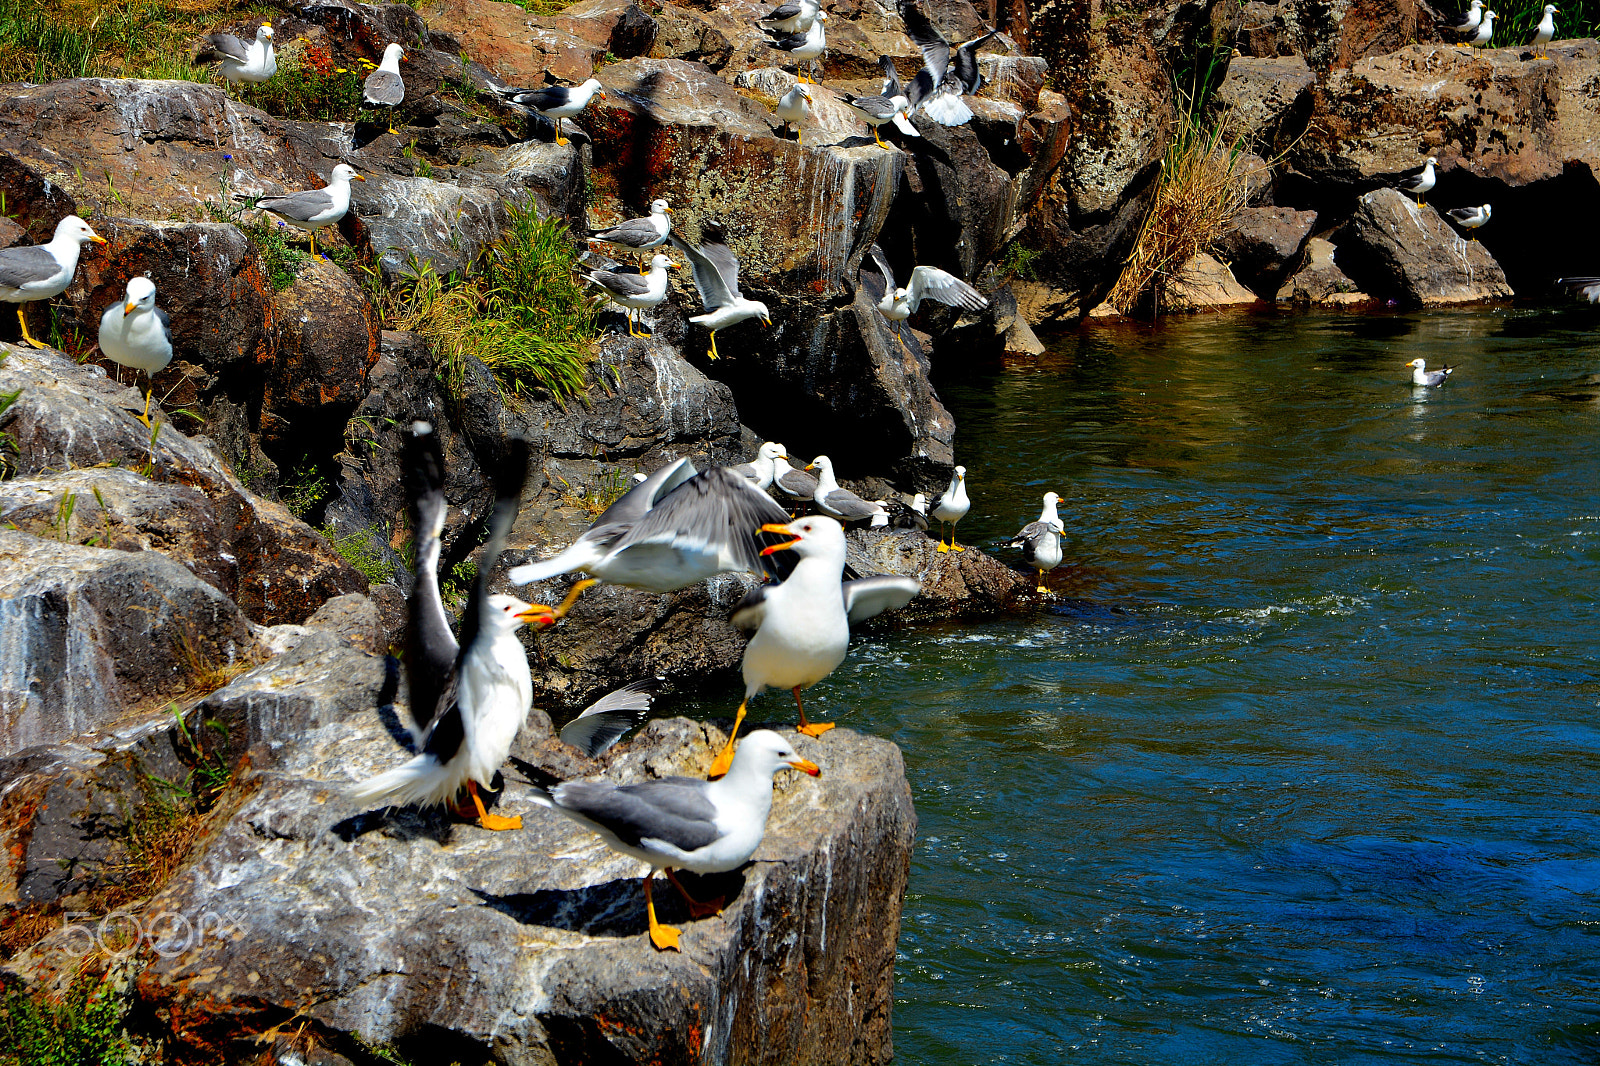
column 664, row 937
column 810, row 729
column 713, row 352
column 559, row 612
column 313, row 243
column 799, row 137
column 953, row 545
column 487, row 820
column 943, row 547
column 145, row 418
column 697, row 910
column 877, row 138
column 25, row 334
column 724, row 759
column 560, row 139
column 1042, row 586
column 629, row 314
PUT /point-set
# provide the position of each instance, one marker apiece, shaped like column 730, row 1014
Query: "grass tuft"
column 362, row 551
column 80, row 1027
column 310, row 85
column 43, row 40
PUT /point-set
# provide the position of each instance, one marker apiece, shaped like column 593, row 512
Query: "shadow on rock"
column 615, row 908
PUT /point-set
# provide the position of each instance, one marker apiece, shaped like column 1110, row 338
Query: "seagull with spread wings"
column 927, row 283
column 943, row 79
column 608, row 719
column 716, row 278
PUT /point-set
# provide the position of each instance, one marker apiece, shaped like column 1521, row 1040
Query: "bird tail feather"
column 573, row 558
column 424, row 781
column 947, row 109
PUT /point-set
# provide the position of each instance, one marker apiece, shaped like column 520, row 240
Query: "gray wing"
column 798, row 483
column 891, row 77
column 965, row 67
column 708, row 263
column 784, row 40
column 850, row 505
column 927, row 281
column 635, row 233
column 717, row 511
column 166, row 325
column 384, row 87
column 1031, row 536
column 1588, row 288
column 881, row 262
column 876, row 106
column 538, row 99
column 868, row 596
column 510, row 474
column 636, row 503
column 782, row 13
column 605, row 721
column 430, row 646
column 674, row 809
column 300, row 206
column 752, row 610
column 621, row 284
column 219, row 45
column 926, row 36
column 1412, row 178
column 23, row 266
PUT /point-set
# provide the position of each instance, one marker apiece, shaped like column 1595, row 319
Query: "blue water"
column 1301, row 766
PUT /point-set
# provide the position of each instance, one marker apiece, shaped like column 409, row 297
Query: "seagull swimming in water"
column 679, row 823
column 43, row 271
column 134, row 332
column 1422, row 376
column 716, row 278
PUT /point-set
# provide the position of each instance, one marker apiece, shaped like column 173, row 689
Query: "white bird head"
column 1549, row 9
column 769, row 450
column 344, row 172
column 592, row 87
column 1476, row 4
column 822, row 463
column 393, row 54
column 822, row 16
column 1051, row 499
column 507, row 613
column 1419, row 364
column 73, row 228
column 919, row 503
column 1433, row 160
column 815, row 534
column 141, row 295
column 1489, row 16
column 661, row 262
column 1487, row 210
column 761, row 312
column 961, row 473
column 660, row 207
column 763, row 753
column 265, row 32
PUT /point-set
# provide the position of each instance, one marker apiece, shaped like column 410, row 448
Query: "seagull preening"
column 467, row 700
column 803, row 47
column 43, row 271
column 802, row 626
column 1546, row 31
column 134, row 332
column 672, row 529
column 716, row 278
column 312, row 209
column 239, row 62
column 608, row 719
column 1040, row 540
column 1470, row 217
column 1419, row 181
column 1421, row 375
column 635, row 292
column 678, row 823
column 794, row 108
column 556, row 102
column 836, row 502
column 384, row 87
column 943, row 80
column 793, row 16
column 951, row 508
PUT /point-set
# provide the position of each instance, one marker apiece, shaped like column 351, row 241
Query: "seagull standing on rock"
column 1546, row 31
column 557, row 102
column 683, row 824
column 1470, row 217
column 1040, row 541
column 639, row 235
column 836, row 502
column 716, row 278
column 43, row 271
column 803, row 48
column 312, row 209
column 384, row 87
column 794, row 108
column 1421, row 180
column 874, row 111
column 952, row 507
column 760, row 471
column 1425, row 378
column 1466, row 23
column 635, row 292
column 794, row 16
column 802, row 626
column 251, row 63
column 1485, row 30
column 798, row 485
column 134, row 332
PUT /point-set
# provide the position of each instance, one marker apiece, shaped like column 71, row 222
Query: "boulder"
column 967, row 584
column 1319, row 282
column 1398, row 250
column 1264, row 100
column 1262, row 244
column 1328, row 33
column 355, row 619
column 1204, row 284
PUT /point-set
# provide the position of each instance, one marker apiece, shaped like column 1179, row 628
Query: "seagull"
column 684, row 824
column 384, row 87
column 1041, row 541
column 312, row 209
column 760, row 471
column 927, row 282
column 1421, row 375
column 640, row 234
column 794, row 16
column 874, row 111
column 839, row 503
column 607, row 719
column 805, row 47
column 467, row 700
column 940, row 84
column 1470, row 217
column 135, row 332
column 672, row 529
column 1546, row 31
column 1465, row 23
column 716, row 278
column 1587, row 288
column 43, row 271
column 795, row 484
column 636, row 292
column 802, row 626
column 254, row 62
column 556, row 101
column 1422, row 179
column 1485, row 29
column 795, row 108
column 894, row 91
column 915, row 515
column 952, row 507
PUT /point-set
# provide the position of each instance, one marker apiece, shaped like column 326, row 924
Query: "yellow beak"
column 128, row 308
column 807, row 766
column 357, row 177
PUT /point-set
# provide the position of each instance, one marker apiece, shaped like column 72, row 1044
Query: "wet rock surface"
column 1320, row 282
column 1263, row 244
column 1391, row 245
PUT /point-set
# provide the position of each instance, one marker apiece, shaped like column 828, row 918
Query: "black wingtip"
column 423, row 460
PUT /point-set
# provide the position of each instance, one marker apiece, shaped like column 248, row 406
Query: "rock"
column 92, row 634
column 1039, row 303
column 1265, row 100
column 353, row 618
column 1329, row 33
column 1204, row 284
column 1319, row 282
column 1393, row 248
column 965, row 584
column 70, row 416
column 1262, row 244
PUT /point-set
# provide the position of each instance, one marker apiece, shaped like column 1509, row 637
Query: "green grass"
column 1519, row 18
column 303, row 490
column 1017, row 261
column 8, row 443
column 519, row 309
column 310, row 85
column 363, row 551
column 280, row 260
column 82, row 1027
column 42, row 40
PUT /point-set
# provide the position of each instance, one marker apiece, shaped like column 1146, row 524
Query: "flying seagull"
column 468, row 700
column 716, row 278
column 802, row 626
column 1419, row 181
column 793, row 16
column 43, row 271
column 635, row 292
column 254, row 62
column 927, row 283
column 640, row 234
column 312, row 209
column 1040, row 541
column 1421, row 375
column 805, row 47
column 608, row 719
column 135, row 332
column 943, row 79
column 384, row 87
column 556, row 102
column 672, row 529
column 1470, row 217
column 952, row 507
column 836, row 502
column 683, row 824
column 896, row 92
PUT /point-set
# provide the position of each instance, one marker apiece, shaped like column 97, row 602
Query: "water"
column 1302, row 767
